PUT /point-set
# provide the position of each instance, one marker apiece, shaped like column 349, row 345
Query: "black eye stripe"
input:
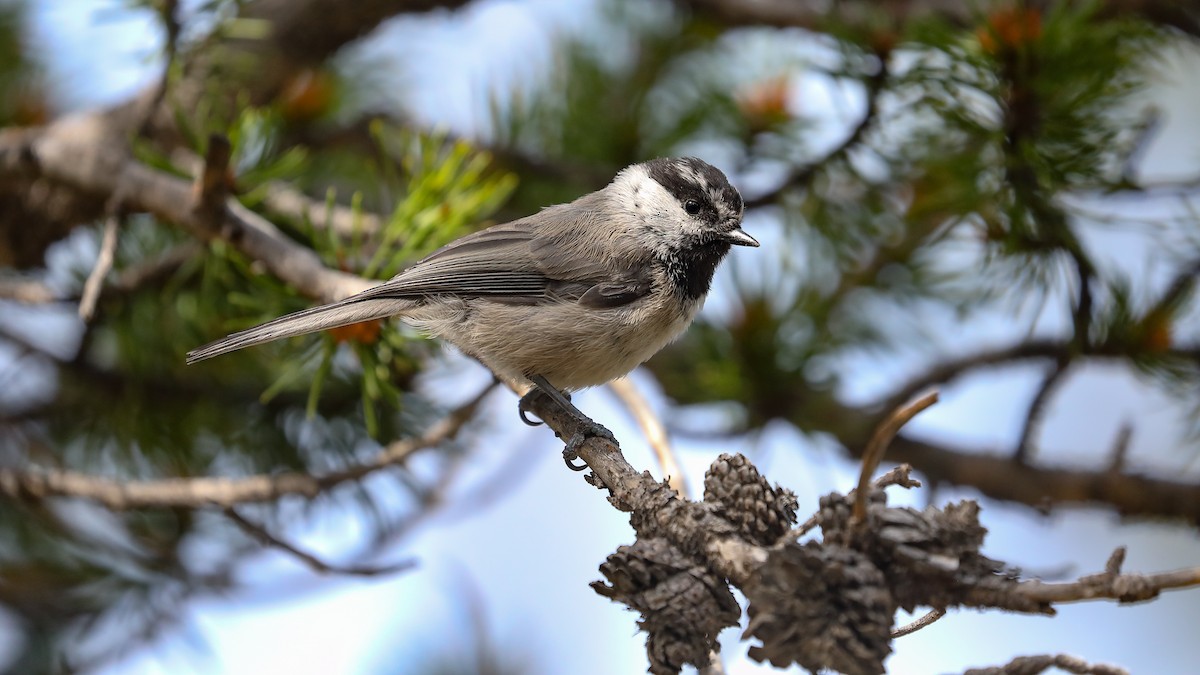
column 693, row 179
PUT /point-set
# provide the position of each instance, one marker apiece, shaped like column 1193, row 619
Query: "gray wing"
column 528, row 261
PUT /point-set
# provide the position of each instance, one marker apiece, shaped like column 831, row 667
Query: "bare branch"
column 104, row 261
column 655, row 432
column 261, row 534
column 815, row 14
column 1108, row 585
column 1042, row 486
column 119, row 494
column 910, row 628
column 76, row 151
column 948, row 369
column 873, row 454
column 929, row 557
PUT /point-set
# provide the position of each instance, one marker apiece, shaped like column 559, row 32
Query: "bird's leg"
column 587, row 426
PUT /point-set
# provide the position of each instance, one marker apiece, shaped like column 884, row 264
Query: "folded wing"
column 516, row 263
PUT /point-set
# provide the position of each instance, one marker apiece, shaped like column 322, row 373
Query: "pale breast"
column 571, row 346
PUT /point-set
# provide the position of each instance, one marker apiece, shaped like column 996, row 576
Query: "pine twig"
column 1037, row 410
column 261, row 534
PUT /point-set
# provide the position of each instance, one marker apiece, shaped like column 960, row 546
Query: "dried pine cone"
column 742, row 496
column 683, row 605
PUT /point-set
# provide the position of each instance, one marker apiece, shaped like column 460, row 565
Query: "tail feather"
column 344, row 313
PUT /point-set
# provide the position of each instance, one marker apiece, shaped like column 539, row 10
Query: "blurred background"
column 998, row 200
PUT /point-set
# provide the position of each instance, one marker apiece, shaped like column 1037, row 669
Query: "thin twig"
column 655, row 432
column 910, row 628
column 104, row 262
column 213, row 182
column 1037, row 410
column 1120, row 587
column 899, row 475
column 1120, row 448
column 118, row 494
column 1082, row 314
column 873, row 455
column 397, row 451
column 316, row 564
column 1115, row 561
column 949, row 369
column 802, row 175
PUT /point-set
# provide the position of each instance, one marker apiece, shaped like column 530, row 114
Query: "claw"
column 523, row 409
column 521, row 412
column 588, row 428
column 569, row 455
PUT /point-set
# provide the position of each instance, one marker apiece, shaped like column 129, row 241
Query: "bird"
column 570, row 297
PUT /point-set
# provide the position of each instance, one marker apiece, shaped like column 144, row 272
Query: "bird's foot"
column 525, row 405
column 588, row 428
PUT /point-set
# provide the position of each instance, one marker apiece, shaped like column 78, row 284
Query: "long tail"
column 351, row 310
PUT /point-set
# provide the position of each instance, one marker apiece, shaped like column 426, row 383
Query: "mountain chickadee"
column 573, row 296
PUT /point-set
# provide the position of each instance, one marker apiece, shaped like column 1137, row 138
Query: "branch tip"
column 877, row 446
column 914, row 626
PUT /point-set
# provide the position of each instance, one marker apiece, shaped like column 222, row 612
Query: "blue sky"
column 530, row 556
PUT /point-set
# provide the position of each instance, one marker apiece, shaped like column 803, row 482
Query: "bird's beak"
column 738, row 237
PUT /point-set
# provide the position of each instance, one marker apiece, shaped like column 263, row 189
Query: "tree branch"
column 76, row 152
column 855, row 578
column 119, row 494
column 816, row 14
column 949, row 369
column 1033, row 665
column 1111, row 584
column 1041, row 487
column 251, row 69
column 260, row 533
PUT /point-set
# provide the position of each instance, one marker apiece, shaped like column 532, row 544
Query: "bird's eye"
column 691, row 206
